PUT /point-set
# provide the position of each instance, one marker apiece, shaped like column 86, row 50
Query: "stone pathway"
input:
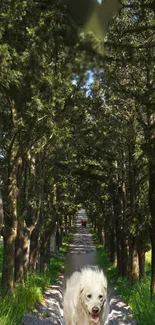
column 81, row 252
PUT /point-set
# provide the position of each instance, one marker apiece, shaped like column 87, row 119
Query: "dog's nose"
column 95, row 310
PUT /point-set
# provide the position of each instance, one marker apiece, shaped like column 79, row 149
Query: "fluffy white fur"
column 85, row 298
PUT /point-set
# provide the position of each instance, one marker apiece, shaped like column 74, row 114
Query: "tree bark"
column 122, row 191
column 117, row 224
column 141, row 260
column 118, row 248
column 1, row 212
column 152, row 223
column 10, row 229
column 26, row 250
column 34, row 249
column 133, row 269
column 124, row 256
column 19, row 272
column 44, row 253
column 112, row 247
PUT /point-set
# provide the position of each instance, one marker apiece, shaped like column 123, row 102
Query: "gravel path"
column 50, row 311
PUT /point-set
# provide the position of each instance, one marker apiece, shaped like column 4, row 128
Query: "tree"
column 130, row 76
column 33, row 53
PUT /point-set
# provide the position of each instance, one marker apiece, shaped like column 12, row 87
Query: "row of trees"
column 68, row 139
column 127, row 187
column 40, row 55
column 130, row 43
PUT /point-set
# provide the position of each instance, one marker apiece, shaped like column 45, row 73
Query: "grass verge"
column 136, row 295
column 24, row 297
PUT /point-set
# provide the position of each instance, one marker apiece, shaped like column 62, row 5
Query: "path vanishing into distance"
column 82, row 251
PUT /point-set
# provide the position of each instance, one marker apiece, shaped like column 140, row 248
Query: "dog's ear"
column 105, row 288
column 104, row 281
column 81, row 290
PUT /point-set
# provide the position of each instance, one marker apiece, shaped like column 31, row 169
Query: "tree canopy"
column 77, row 129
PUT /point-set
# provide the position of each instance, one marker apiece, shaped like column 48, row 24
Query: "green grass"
column 148, row 262
column 137, row 295
column 24, row 297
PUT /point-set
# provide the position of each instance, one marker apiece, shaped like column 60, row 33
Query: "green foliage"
column 68, row 142
column 24, row 297
column 143, row 308
column 148, row 261
column 64, row 248
column 136, row 295
column 102, row 259
column 38, row 53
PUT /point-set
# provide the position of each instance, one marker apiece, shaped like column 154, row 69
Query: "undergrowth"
column 24, row 297
column 136, row 295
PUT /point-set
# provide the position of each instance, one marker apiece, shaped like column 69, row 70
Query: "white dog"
column 85, row 298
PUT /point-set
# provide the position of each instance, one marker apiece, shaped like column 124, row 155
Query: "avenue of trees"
column 67, row 138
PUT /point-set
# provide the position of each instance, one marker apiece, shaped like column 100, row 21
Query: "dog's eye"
column 100, row 296
column 89, row 296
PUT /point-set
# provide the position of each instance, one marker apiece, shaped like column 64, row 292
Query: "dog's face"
column 93, row 298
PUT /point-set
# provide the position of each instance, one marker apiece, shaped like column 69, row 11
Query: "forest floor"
column 50, row 311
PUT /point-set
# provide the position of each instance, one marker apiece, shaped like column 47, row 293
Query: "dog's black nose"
column 95, row 310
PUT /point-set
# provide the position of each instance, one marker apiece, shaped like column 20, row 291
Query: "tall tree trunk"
column 1, row 212
column 133, row 269
column 121, row 242
column 107, row 241
column 152, row 222
column 117, row 221
column 35, row 217
column 112, row 247
column 27, row 245
column 10, row 229
column 44, row 251
column 26, row 250
column 34, row 248
column 122, row 194
column 118, row 256
column 124, row 256
column 99, row 230
column 19, row 272
column 66, row 225
column 21, row 206
column 141, row 259
column 45, row 242
column 131, row 160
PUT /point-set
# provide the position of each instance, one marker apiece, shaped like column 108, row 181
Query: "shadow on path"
column 81, row 252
